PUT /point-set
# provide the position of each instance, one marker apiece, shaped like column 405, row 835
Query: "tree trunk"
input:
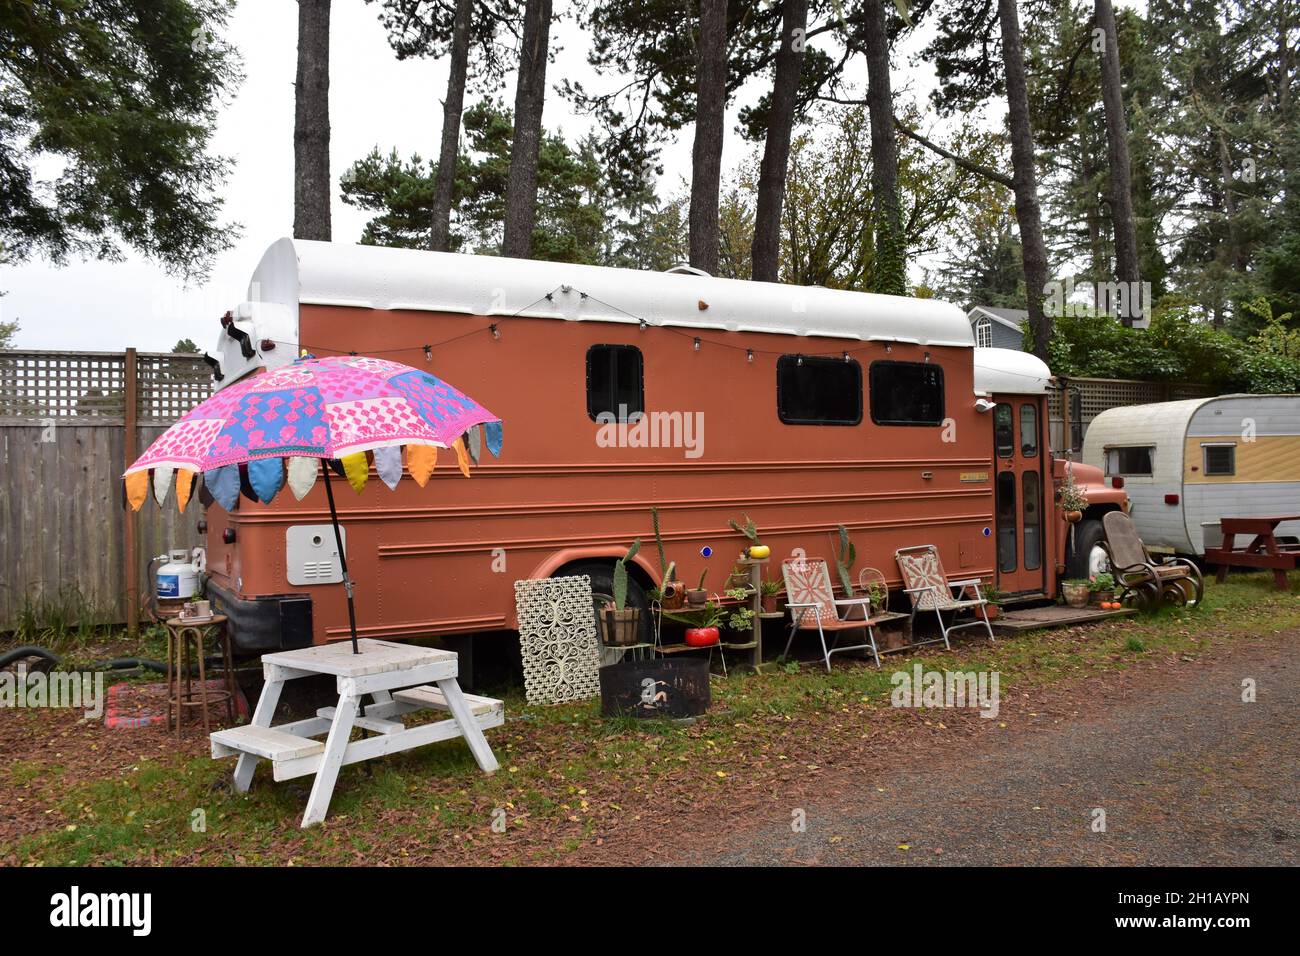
column 889, row 274
column 1028, row 215
column 530, row 99
column 706, row 155
column 452, row 108
column 766, row 253
column 1121, row 175
column 311, row 123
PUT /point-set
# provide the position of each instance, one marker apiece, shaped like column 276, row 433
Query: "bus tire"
column 1087, row 535
column 602, row 586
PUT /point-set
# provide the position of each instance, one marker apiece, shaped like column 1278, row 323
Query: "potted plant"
column 697, row 596
column 993, row 610
column 1075, row 592
column 1102, row 587
column 620, row 624
column 702, row 624
column 672, row 593
column 770, row 589
column 844, row 561
column 740, row 617
column 1073, row 500
column 878, row 594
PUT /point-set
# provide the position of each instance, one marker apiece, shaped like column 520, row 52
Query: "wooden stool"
column 186, row 637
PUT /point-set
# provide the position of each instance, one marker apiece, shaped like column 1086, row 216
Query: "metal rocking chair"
column 1144, row 581
column 930, row 590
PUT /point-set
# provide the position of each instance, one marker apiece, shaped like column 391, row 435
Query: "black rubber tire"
column 602, row 585
column 1087, row 534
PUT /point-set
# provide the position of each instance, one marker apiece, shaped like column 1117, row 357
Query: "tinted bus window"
column 814, row 390
column 906, row 393
column 615, row 382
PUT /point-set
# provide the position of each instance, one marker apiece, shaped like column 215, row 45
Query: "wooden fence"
column 70, row 422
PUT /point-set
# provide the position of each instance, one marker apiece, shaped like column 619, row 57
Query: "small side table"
column 186, row 638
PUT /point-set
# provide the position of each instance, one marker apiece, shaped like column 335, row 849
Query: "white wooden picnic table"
column 399, row 678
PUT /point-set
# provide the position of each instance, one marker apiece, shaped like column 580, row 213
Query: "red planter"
column 701, row 636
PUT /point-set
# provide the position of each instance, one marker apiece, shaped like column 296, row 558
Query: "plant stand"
column 755, row 644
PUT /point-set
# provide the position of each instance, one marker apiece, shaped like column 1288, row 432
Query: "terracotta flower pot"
column 701, row 636
column 674, row 596
column 697, row 597
column 1074, row 517
column 769, row 604
column 990, row 612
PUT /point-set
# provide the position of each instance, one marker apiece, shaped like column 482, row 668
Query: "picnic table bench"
column 1263, row 551
column 399, row 678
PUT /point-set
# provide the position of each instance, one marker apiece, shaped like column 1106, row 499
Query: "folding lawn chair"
column 927, row 584
column 812, row 606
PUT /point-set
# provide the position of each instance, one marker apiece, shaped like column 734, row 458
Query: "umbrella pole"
column 343, row 558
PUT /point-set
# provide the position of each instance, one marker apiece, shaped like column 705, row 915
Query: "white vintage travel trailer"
column 1187, row 464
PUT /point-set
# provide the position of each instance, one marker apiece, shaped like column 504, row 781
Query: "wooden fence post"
column 130, row 411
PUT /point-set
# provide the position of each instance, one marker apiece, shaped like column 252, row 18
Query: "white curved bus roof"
column 374, row 277
column 1010, row 371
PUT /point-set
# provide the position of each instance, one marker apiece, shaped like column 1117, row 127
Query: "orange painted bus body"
column 443, row 559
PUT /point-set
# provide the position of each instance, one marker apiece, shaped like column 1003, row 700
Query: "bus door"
column 1019, row 453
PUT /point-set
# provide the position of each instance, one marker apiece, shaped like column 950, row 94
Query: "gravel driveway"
column 1186, row 772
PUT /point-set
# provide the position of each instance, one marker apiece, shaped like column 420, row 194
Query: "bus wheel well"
column 634, row 570
column 1097, row 512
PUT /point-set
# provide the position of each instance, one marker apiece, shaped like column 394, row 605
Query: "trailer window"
column 812, row 390
column 615, row 382
column 906, row 393
column 1130, row 461
column 1220, row 460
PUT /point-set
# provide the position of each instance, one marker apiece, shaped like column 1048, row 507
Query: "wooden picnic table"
column 399, row 678
column 1262, row 552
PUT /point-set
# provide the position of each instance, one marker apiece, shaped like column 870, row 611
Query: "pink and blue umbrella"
column 286, row 426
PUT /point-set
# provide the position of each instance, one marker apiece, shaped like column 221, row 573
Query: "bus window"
column 1028, row 431
column 1004, row 434
column 1006, row 505
column 1029, row 496
column 906, row 393
column 615, row 382
column 814, row 390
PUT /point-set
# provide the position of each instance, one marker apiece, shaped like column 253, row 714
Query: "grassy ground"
column 570, row 781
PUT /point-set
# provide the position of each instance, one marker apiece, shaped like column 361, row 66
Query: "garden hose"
column 48, row 660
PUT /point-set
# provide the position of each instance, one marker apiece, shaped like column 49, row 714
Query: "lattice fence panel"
column 170, row 385
column 90, row 386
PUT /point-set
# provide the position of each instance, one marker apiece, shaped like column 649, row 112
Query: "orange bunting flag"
column 137, row 488
column 462, row 456
column 420, row 462
column 184, row 485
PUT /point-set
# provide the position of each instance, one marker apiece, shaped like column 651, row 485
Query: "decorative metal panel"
column 558, row 639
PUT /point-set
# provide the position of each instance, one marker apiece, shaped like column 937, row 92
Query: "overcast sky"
column 374, row 100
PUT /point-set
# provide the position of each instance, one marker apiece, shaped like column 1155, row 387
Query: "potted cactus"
column 697, row 596
column 621, row 625
column 672, row 593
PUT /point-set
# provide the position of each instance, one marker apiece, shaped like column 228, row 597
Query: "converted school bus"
column 804, row 408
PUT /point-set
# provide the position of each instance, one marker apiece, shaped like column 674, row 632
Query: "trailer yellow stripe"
column 1266, row 458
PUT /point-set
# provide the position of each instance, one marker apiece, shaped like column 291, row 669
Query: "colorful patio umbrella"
column 288, row 425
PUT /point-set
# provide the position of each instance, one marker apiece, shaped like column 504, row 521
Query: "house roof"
column 1011, row 318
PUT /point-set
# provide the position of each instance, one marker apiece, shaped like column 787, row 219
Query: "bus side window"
column 615, row 382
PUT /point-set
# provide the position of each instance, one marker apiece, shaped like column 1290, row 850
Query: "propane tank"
column 179, row 576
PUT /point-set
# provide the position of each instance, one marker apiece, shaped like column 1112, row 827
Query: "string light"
column 496, row 333
column 643, row 324
column 697, row 344
column 428, row 353
column 749, row 355
column 801, row 361
column 846, row 356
